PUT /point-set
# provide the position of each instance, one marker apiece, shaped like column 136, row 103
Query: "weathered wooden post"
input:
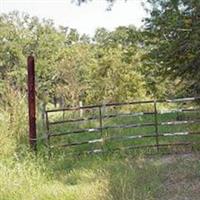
column 81, row 110
column 31, row 103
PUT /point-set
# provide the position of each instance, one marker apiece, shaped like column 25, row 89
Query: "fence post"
column 81, row 110
column 47, row 134
column 31, row 103
column 156, row 124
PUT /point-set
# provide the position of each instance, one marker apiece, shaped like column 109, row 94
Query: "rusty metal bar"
column 31, row 103
column 96, row 106
column 143, row 146
column 129, row 126
column 124, row 126
column 169, row 134
column 169, row 123
column 127, row 103
column 179, row 122
column 100, row 140
column 137, row 147
column 103, row 117
column 75, row 132
column 131, row 137
column 182, row 99
column 131, row 114
column 105, row 127
column 74, row 120
column 178, row 111
column 131, row 147
column 134, row 114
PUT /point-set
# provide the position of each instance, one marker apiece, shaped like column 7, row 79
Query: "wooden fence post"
column 31, row 103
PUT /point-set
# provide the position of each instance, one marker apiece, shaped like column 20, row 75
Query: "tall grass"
column 13, row 121
column 24, row 175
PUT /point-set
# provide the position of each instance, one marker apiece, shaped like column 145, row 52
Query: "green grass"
column 113, row 176
column 101, row 177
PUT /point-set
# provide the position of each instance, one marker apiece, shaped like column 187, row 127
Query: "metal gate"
column 154, row 124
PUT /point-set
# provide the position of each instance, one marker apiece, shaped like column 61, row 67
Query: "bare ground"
column 181, row 178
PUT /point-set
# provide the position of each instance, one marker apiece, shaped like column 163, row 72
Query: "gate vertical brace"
column 101, row 122
column 156, row 124
column 47, row 134
column 31, row 103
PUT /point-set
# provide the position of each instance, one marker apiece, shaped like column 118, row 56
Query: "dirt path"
column 181, row 178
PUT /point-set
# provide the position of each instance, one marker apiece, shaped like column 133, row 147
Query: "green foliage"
column 121, row 65
column 72, row 67
column 117, row 75
column 174, row 27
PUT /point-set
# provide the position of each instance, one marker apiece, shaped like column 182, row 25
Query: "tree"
column 175, row 28
column 72, row 82
column 70, row 66
column 117, row 75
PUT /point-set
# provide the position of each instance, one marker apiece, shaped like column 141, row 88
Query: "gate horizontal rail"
column 144, row 146
column 100, row 140
column 126, row 126
column 101, row 117
column 123, row 115
column 127, row 103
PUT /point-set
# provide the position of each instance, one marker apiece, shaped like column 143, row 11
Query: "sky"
column 85, row 18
